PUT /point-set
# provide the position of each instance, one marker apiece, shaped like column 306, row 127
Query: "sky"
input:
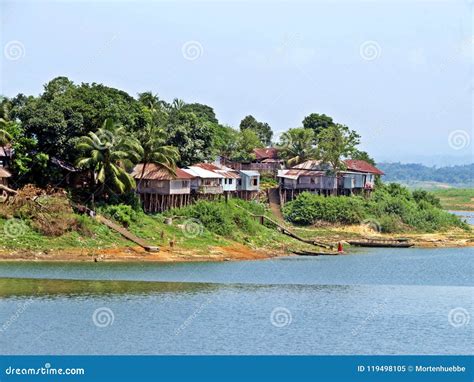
column 398, row 72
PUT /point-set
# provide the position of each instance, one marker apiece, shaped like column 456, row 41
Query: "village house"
column 316, row 177
column 266, row 162
column 248, row 185
column 205, row 182
column 159, row 189
column 230, row 176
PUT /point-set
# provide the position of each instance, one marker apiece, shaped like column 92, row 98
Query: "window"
column 239, row 182
column 230, row 181
column 255, row 181
column 184, row 183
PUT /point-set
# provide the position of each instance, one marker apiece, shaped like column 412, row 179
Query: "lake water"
column 381, row 301
column 467, row 216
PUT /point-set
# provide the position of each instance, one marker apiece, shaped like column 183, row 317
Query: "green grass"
column 456, row 199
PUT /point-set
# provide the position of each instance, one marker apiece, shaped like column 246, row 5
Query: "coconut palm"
column 297, row 145
column 153, row 141
column 109, row 153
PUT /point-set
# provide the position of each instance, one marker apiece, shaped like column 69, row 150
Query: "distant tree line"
column 454, row 175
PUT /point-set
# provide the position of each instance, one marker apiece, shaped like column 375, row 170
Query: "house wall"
column 179, row 186
column 229, row 184
column 247, row 183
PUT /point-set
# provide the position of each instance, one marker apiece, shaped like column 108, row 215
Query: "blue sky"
column 399, row 72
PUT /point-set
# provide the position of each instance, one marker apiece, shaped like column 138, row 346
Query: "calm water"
column 404, row 301
column 467, row 216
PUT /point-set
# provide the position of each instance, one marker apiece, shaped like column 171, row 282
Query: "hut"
column 359, row 177
column 159, row 189
column 248, row 185
column 5, row 156
column 231, row 177
column 205, row 184
column 4, row 175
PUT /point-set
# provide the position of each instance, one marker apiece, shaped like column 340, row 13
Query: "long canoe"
column 381, row 243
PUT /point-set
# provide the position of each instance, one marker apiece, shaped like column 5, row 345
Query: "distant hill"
column 418, row 175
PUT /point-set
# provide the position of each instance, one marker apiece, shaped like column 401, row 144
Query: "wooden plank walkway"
column 126, row 233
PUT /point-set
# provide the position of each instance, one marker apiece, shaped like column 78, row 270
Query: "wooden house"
column 317, row 177
column 159, row 189
column 230, row 176
column 248, row 185
column 205, row 182
column 266, row 161
column 358, row 177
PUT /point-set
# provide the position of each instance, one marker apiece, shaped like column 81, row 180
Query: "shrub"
column 122, row 213
column 394, row 207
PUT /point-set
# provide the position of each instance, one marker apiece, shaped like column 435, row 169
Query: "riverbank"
column 233, row 251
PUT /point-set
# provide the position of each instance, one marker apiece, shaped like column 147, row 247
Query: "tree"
column 203, row 112
column 297, row 145
column 109, row 153
column 317, row 122
column 247, row 141
column 155, row 150
column 363, row 155
column 225, row 141
column 192, row 137
column 262, row 129
column 336, row 143
column 178, row 104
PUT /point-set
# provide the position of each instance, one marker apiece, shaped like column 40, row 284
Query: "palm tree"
column 297, row 145
column 178, row 104
column 109, row 153
column 153, row 141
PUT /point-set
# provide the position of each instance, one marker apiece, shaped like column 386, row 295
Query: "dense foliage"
column 391, row 208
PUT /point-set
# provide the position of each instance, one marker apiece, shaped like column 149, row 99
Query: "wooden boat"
column 383, row 243
column 308, row 253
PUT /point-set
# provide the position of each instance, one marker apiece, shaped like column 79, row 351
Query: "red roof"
column 156, row 172
column 208, row 166
column 266, row 153
column 362, row 166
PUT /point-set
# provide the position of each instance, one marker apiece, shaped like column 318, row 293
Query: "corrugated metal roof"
column 266, row 153
column 316, row 165
column 199, row 172
column 295, row 173
column 4, row 173
column 362, row 166
column 156, row 172
column 226, row 172
column 250, row 172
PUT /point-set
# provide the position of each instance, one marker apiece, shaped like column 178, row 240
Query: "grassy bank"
column 456, row 199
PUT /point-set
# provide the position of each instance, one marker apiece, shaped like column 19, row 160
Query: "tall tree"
column 336, row 143
column 153, row 142
column 297, row 145
column 262, row 129
column 110, row 152
column 317, row 122
column 247, row 141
